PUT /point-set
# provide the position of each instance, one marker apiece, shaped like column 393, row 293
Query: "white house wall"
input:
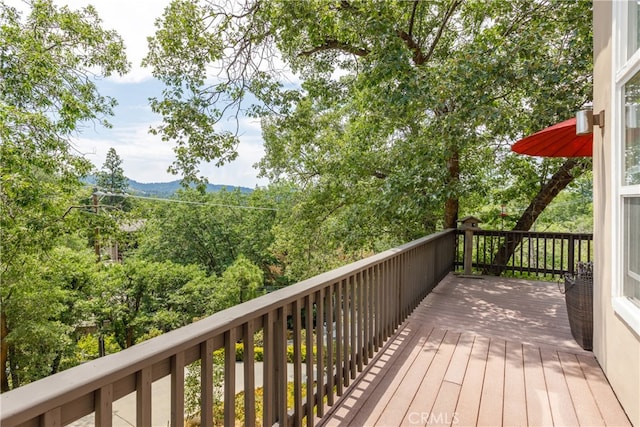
column 615, row 344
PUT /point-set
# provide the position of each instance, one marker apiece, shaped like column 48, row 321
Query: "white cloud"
column 241, row 171
column 145, row 157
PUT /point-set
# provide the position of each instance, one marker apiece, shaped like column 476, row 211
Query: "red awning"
column 559, row 140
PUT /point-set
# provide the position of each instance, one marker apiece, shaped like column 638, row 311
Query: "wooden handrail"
column 357, row 307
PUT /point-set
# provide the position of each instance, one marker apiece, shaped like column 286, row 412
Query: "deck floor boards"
column 488, row 351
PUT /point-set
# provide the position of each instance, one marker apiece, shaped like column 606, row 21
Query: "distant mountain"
column 167, row 189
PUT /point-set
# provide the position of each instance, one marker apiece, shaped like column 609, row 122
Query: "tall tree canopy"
column 111, row 176
column 111, row 179
column 48, row 64
column 402, row 108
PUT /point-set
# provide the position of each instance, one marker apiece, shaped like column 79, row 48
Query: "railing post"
column 469, row 225
column 571, row 254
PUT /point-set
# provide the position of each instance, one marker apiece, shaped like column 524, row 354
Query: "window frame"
column 625, row 67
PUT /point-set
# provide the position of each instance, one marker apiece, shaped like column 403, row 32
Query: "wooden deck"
column 482, row 351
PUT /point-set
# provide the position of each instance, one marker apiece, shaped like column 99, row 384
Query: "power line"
column 188, row 202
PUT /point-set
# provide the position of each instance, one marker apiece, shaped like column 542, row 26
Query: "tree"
column 139, row 297
column 569, row 170
column 402, row 107
column 47, row 304
column 213, row 229
column 240, row 282
column 48, row 65
column 111, row 178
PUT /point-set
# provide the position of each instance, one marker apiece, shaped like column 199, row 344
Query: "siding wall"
column 616, row 346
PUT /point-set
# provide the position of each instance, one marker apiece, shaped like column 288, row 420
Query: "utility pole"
column 96, row 242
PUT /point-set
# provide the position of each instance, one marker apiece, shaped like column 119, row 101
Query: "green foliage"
column 48, row 62
column 402, row 115
column 571, row 211
column 240, row 282
column 43, row 307
column 112, row 180
column 399, row 124
column 111, row 177
column 259, row 353
column 137, row 297
column 214, row 229
column 86, row 348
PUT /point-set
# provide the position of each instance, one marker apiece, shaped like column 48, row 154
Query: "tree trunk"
column 55, row 365
column 13, row 368
column 569, row 170
column 451, row 205
column 129, row 339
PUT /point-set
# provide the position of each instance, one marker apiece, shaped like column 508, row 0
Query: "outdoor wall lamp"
column 585, row 120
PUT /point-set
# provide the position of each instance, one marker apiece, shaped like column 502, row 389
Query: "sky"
column 145, row 158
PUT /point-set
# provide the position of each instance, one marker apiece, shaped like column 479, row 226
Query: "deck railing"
column 537, row 253
column 355, row 309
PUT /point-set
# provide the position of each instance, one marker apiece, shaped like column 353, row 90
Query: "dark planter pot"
column 578, row 293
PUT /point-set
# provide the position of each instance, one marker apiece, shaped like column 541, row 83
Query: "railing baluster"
column 177, row 390
column 404, row 271
column 377, row 308
column 513, row 264
column 339, row 304
column 368, row 316
column 546, row 263
column 103, row 406
column 52, row 418
column 413, row 279
column 331, row 363
column 398, row 294
column 353, row 333
column 403, row 290
column 571, row 254
column 346, row 323
column 230, row 377
column 268, row 366
column 308, row 305
column 297, row 364
column 386, row 298
column 360, row 328
column 143, row 397
column 206, row 383
column 579, row 241
column 537, row 253
column 280, row 351
column 386, row 301
column 320, row 354
column 561, row 253
column 553, row 256
column 249, row 375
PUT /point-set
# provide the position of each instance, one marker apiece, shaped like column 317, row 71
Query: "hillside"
column 166, row 189
column 169, row 188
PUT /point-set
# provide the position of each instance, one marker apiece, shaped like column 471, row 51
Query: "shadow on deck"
column 482, row 351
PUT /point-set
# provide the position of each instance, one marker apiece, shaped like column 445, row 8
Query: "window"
column 633, row 35
column 626, row 166
column 631, row 271
column 629, row 191
column 631, row 145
